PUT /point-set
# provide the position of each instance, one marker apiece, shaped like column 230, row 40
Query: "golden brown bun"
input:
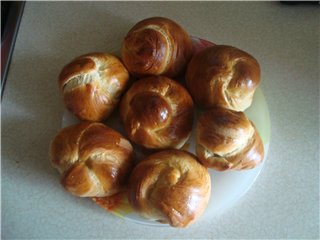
column 170, row 186
column 156, row 46
column 94, row 160
column 223, row 76
column 92, row 84
column 157, row 113
column 227, row 139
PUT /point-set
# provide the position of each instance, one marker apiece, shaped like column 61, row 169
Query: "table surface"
column 283, row 202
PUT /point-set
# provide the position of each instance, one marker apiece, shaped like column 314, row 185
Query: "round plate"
column 227, row 187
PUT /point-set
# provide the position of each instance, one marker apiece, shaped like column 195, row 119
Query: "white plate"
column 227, row 187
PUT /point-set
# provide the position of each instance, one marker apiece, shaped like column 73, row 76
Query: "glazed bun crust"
column 170, row 186
column 227, row 139
column 157, row 113
column 156, row 46
column 92, row 84
column 93, row 159
column 223, row 76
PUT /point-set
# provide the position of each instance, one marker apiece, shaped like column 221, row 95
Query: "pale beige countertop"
column 283, row 202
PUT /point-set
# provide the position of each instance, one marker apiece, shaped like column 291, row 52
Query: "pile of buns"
column 157, row 84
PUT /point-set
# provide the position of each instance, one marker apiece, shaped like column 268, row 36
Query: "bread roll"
column 92, row 84
column 157, row 113
column 171, row 187
column 156, row 46
column 227, row 139
column 223, row 76
column 93, row 159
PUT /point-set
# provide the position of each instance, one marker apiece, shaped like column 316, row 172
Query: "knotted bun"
column 171, row 187
column 223, row 76
column 227, row 139
column 94, row 160
column 92, row 84
column 156, row 46
column 157, row 113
